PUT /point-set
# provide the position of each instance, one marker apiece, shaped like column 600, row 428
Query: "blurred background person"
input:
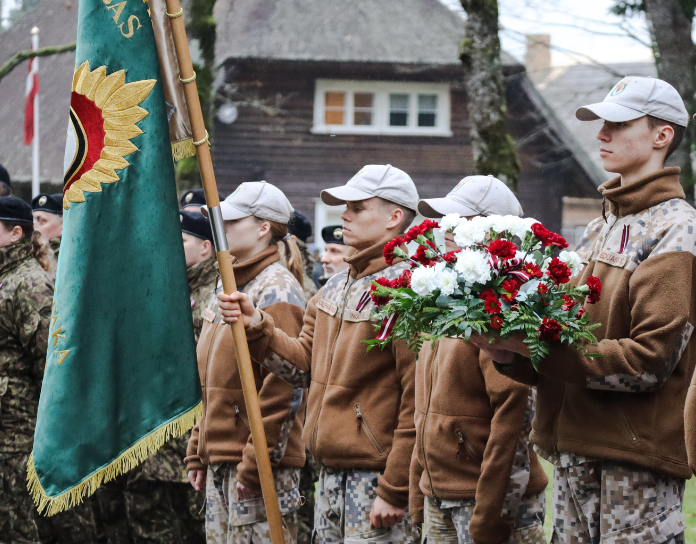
column 335, row 251
column 48, row 221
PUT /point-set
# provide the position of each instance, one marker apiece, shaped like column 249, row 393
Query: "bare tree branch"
column 20, row 57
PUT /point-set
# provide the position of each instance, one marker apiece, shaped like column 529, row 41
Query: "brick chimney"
column 538, row 56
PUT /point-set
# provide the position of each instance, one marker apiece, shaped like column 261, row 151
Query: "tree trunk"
column 675, row 56
column 494, row 149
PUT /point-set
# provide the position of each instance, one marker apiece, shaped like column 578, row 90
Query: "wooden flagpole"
column 205, row 163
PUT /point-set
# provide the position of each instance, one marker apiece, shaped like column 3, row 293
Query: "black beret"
column 300, row 226
column 48, row 203
column 196, row 224
column 15, row 209
column 194, row 197
column 4, row 176
column 332, row 234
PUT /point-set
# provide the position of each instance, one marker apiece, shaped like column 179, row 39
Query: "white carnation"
column 519, row 255
column 473, row 266
column 423, row 280
column 468, row 233
column 573, row 261
column 450, row 221
column 445, row 279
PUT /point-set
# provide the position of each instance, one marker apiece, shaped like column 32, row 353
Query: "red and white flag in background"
column 32, row 90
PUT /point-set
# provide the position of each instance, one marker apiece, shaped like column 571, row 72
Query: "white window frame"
column 381, row 91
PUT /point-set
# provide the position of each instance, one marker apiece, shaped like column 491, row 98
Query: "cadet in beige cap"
column 494, row 485
column 613, row 423
column 220, row 455
column 360, row 410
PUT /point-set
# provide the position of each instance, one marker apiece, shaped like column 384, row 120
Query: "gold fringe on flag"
column 182, row 149
column 128, row 460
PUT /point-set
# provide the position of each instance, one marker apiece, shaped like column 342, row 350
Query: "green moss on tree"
column 494, row 149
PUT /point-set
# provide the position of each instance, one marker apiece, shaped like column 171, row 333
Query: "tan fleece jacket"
column 472, row 438
column 223, row 435
column 360, row 407
column 628, row 404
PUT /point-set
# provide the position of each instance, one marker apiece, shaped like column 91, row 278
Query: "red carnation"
column 422, row 258
column 569, row 303
column 379, row 300
column 451, row 256
column 548, row 238
column 511, row 288
column 549, row 330
column 595, row 289
column 581, row 312
column 496, row 322
column 558, row 271
column 413, row 233
column 503, row 249
column 402, row 281
column 417, row 230
column 542, row 288
column 389, row 249
column 540, row 232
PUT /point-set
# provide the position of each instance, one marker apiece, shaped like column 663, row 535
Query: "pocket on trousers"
column 374, row 535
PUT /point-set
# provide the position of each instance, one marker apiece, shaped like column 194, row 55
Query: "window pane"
column 335, row 100
column 362, row 100
column 398, row 119
column 333, row 117
column 362, row 118
column 398, row 110
column 427, row 102
column 426, row 119
column 398, row 102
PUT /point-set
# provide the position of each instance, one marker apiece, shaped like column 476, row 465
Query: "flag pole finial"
column 35, row 30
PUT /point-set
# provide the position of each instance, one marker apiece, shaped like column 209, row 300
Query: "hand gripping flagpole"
column 205, row 163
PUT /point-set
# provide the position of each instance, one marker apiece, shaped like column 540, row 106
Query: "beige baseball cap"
column 381, row 180
column 473, row 195
column 256, row 198
column 634, row 97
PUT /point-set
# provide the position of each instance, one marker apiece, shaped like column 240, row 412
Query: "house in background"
column 309, row 91
column 565, row 89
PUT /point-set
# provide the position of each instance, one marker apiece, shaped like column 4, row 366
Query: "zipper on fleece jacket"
column 362, row 423
column 333, row 350
column 462, row 441
column 238, row 414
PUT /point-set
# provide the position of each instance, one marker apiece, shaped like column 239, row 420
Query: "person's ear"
column 17, row 234
column 663, row 137
column 207, row 248
column 397, row 216
column 264, row 228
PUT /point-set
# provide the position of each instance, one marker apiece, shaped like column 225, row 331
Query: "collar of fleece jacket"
column 643, row 193
column 248, row 270
column 368, row 261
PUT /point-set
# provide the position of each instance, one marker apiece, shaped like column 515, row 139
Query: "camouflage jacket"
column 26, row 294
column 201, row 281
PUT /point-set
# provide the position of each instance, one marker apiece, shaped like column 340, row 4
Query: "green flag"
column 121, row 374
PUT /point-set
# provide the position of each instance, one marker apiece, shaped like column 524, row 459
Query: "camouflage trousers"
column 230, row 521
column 609, row 502
column 21, row 523
column 448, row 522
column 342, row 510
